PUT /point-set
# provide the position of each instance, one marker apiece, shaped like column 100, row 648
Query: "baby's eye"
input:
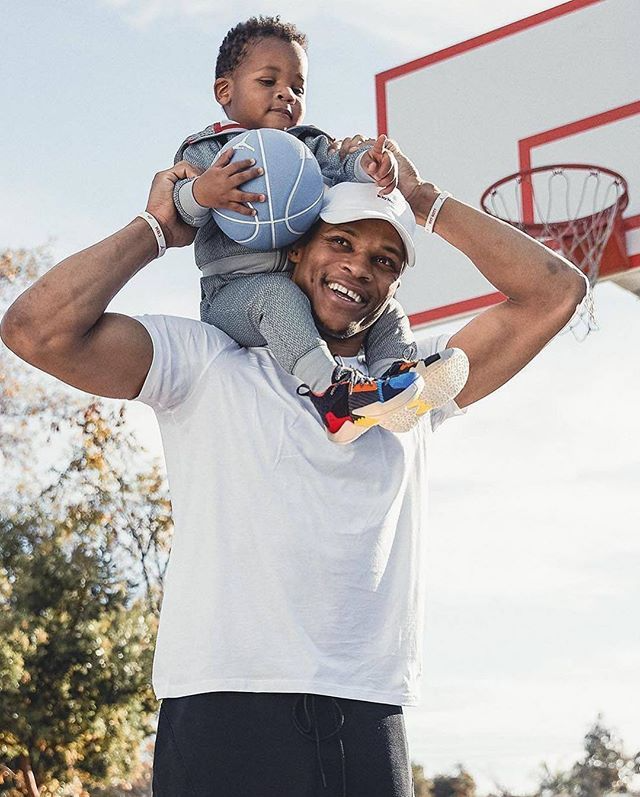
column 299, row 91
column 266, row 81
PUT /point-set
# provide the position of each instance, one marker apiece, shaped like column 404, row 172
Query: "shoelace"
column 348, row 375
column 311, row 731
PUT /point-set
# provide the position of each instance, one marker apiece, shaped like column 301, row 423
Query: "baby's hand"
column 381, row 164
column 218, row 187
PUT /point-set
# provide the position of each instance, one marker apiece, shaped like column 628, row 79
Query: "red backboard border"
column 525, row 145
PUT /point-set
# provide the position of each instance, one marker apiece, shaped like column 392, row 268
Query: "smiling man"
column 292, row 619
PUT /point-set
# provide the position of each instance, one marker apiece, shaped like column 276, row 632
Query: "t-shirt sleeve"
column 429, row 346
column 183, row 350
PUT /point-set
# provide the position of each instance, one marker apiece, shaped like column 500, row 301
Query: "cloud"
column 418, row 27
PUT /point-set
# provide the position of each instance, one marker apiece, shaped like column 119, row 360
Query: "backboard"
column 562, row 86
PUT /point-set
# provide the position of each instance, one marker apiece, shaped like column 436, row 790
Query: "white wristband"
column 156, row 229
column 435, row 210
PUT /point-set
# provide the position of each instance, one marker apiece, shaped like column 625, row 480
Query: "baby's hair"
column 235, row 44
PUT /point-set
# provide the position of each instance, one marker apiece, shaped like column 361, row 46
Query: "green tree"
column 81, row 703
column 83, row 551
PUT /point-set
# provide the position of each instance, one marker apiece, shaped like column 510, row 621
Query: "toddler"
column 260, row 82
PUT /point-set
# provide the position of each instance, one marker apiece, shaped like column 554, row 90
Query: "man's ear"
column 222, row 89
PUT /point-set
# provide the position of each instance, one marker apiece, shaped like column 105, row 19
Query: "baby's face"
column 267, row 87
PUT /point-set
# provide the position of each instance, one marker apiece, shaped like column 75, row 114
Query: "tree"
column 81, row 650
column 605, row 769
column 83, row 551
column 461, row 784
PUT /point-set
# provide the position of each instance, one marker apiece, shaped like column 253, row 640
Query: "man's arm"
column 59, row 324
column 542, row 289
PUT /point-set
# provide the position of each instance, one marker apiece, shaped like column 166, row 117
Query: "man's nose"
column 358, row 265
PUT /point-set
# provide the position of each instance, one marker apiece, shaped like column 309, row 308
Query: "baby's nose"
column 286, row 94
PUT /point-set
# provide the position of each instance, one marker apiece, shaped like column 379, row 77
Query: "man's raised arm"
column 59, row 324
column 543, row 291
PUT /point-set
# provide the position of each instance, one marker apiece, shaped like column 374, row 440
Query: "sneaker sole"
column 350, row 431
column 443, row 380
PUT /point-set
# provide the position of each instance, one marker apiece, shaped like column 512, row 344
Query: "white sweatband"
column 191, row 205
column 358, row 169
column 156, row 229
column 435, row 210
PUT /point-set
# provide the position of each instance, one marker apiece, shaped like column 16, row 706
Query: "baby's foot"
column 353, row 403
column 444, row 375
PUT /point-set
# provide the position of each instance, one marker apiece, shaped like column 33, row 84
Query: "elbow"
column 573, row 295
column 567, row 284
column 578, row 289
column 11, row 330
column 19, row 332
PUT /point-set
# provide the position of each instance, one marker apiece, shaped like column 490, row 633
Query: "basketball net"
column 571, row 208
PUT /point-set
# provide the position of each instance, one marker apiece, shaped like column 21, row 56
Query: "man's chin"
column 340, row 334
column 353, row 328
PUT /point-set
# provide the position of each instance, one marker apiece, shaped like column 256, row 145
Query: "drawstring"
column 312, row 731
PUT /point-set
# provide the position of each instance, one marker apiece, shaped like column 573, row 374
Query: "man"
column 293, row 604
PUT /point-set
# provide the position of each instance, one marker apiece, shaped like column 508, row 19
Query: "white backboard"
column 560, row 86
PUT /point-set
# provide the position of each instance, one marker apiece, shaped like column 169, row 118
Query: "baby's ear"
column 222, row 90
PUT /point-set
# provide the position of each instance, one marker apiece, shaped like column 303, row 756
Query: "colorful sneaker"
column 353, row 403
column 444, row 375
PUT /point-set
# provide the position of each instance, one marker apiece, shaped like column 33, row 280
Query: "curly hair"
column 236, row 43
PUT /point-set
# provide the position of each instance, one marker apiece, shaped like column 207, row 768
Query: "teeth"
column 335, row 286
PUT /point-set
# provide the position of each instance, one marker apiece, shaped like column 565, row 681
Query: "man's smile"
column 345, row 293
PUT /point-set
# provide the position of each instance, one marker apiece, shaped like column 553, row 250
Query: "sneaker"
column 352, row 404
column 444, row 375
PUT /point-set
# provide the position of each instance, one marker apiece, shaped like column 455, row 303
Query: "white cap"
column 355, row 201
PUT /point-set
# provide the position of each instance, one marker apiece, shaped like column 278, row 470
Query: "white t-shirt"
column 296, row 563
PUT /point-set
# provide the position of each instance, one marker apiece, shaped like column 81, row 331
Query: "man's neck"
column 348, row 347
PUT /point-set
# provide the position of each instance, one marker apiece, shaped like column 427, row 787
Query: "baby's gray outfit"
column 248, row 293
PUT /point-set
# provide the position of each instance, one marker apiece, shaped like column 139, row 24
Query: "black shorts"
column 263, row 744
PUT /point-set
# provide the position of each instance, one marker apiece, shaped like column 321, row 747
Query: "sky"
column 533, row 600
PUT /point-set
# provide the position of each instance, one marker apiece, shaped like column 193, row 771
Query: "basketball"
column 292, row 183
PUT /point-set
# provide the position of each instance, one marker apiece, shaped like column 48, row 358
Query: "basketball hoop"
column 574, row 209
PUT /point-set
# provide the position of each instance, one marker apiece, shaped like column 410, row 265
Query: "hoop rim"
column 622, row 203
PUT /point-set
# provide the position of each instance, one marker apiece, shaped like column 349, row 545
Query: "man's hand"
column 160, row 204
column 380, row 163
column 219, row 186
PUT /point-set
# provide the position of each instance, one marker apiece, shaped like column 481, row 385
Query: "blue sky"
column 533, row 604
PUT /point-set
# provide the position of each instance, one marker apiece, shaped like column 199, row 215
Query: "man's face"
column 364, row 258
column 267, row 88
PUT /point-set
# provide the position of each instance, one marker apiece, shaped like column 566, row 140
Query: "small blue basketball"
column 292, row 182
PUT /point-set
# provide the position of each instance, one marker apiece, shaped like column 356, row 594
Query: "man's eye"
column 338, row 240
column 388, row 263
